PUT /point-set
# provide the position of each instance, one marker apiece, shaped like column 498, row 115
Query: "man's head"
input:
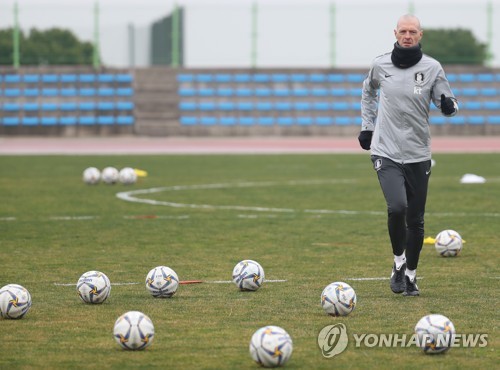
column 408, row 32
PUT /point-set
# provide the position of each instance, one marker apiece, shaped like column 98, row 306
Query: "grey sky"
column 291, row 33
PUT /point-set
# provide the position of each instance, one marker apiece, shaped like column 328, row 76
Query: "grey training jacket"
column 399, row 116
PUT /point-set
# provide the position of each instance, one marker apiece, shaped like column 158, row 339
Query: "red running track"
column 232, row 145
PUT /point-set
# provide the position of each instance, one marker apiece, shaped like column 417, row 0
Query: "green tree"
column 454, row 46
column 50, row 47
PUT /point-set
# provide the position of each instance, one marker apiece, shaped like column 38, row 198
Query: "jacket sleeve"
column 369, row 100
column 442, row 86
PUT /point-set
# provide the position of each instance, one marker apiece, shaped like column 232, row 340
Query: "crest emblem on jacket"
column 419, row 78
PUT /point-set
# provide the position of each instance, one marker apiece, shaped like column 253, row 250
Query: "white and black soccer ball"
column 93, row 287
column 91, row 176
column 134, row 331
column 435, row 333
column 15, row 301
column 271, row 346
column 127, row 176
column 162, row 282
column 248, row 275
column 448, row 243
column 338, row 299
column 110, row 175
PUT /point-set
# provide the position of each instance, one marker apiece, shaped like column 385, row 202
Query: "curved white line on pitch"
column 130, row 196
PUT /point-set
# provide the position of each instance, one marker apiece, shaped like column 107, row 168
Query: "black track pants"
column 405, row 191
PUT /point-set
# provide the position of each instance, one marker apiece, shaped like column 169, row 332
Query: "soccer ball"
column 435, row 333
column 271, row 346
column 448, row 243
column 162, row 282
column 93, row 287
column 91, row 176
column 248, row 275
column 127, row 176
column 338, row 299
column 134, row 330
column 15, row 301
column 110, row 175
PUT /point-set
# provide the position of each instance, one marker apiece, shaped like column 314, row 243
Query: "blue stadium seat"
column 68, row 106
column 317, row 78
column 457, row 120
column 242, row 78
column 338, row 92
column 31, row 79
column 357, row 106
column 204, row 77
column 437, row 120
column 475, row 120
column 246, row 106
column 486, row 77
column 87, row 120
column 344, row 121
column 124, row 91
column 31, row 92
column 300, row 92
column 491, row 105
column 227, row 121
column 225, row 91
column 324, row 121
column 262, row 92
column 188, row 120
column 87, row 78
column 105, row 78
column 285, row 121
column 355, row 77
column 452, row 77
column 472, row 91
column 226, row 106
column 187, row 92
column 29, row 121
column 87, row 106
column 48, row 121
column 185, row 78
column 302, row 106
column 124, row 78
column 319, row 92
column 321, row 106
column 105, row 105
column 50, row 78
column 125, row 120
column 105, row 91
column 87, row 91
column 340, row 105
column 68, row 78
column 124, row 105
column 11, row 107
column 356, row 92
column 68, row 92
column 263, row 106
column 283, row 106
column 495, row 120
column 50, row 92
column 67, row 120
column 265, row 121
column 336, row 77
column 279, row 77
column 489, row 91
column 466, row 77
column 48, row 107
column 246, row 121
column 12, row 93
column 30, row 107
column 11, row 121
column 281, row 92
column 208, row 120
column 261, row 77
column 304, row 121
column 298, row 77
column 222, row 78
column 472, row 105
column 187, row 105
column 243, row 92
column 105, row 120
column 206, row 92
column 12, row 79
column 206, row 106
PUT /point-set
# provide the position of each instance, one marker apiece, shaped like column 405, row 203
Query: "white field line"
column 373, row 278
column 7, row 219
column 131, row 196
column 204, row 281
column 72, row 218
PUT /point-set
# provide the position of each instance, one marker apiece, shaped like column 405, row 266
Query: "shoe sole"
column 412, row 294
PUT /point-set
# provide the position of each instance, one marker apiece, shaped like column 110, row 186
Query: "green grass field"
column 303, row 236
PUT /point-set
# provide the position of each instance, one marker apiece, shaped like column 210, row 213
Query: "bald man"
column 395, row 107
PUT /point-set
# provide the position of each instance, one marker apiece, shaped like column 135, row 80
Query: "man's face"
column 408, row 33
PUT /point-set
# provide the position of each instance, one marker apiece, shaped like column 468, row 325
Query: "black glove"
column 365, row 139
column 447, row 105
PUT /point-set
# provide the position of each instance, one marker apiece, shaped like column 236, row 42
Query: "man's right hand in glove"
column 365, row 139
